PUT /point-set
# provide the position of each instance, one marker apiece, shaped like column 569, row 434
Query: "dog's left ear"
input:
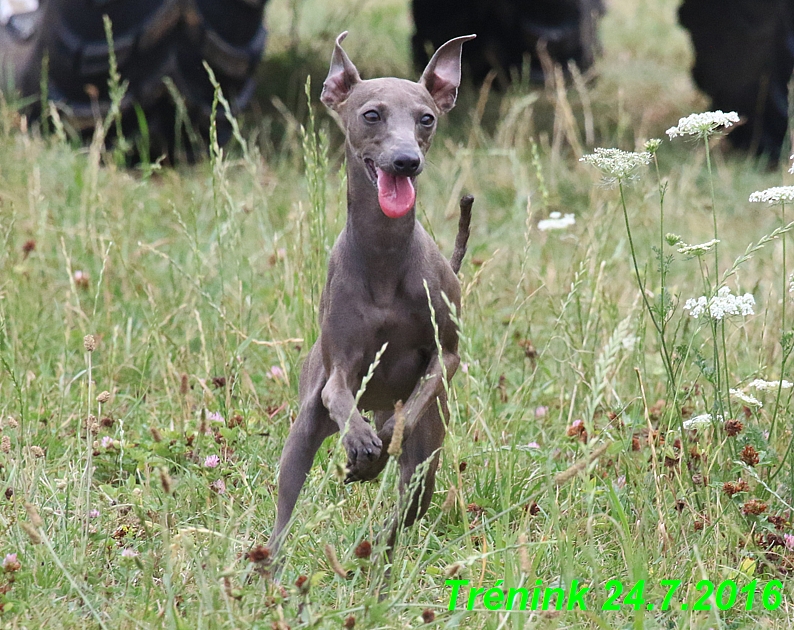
column 442, row 74
column 341, row 78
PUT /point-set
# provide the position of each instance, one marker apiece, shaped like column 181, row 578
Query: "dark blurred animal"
column 744, row 56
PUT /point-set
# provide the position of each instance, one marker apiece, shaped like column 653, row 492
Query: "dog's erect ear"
column 341, row 77
column 442, row 75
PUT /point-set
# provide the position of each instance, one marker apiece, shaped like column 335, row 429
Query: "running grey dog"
column 382, row 269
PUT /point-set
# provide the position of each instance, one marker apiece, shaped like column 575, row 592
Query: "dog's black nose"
column 406, row 164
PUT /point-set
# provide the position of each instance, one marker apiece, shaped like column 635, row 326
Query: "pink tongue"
column 396, row 194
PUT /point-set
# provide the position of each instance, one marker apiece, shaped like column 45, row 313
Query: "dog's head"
column 390, row 122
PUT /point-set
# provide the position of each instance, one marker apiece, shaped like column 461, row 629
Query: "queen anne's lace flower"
column 703, row 421
column 773, row 196
column 616, row 164
column 746, row 398
column 721, row 305
column 698, row 250
column 726, row 304
column 696, row 307
column 763, row 385
column 702, row 125
column 556, row 222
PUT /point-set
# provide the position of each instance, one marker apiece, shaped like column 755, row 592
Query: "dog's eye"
column 427, row 120
column 371, row 116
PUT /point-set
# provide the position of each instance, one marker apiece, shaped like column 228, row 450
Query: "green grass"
column 200, row 285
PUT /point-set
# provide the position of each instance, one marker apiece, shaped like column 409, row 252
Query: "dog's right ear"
column 442, row 74
column 341, row 77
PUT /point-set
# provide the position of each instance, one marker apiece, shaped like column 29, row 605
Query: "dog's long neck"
column 379, row 239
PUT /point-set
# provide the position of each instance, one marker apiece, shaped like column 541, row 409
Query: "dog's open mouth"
column 372, row 171
column 396, row 193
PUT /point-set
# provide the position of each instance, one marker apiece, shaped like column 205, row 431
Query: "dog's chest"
column 406, row 329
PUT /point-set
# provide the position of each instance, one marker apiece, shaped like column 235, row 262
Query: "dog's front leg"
column 360, row 441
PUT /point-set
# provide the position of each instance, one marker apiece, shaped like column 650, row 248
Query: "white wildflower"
column 698, row 250
column 702, row 125
column 615, row 164
column 556, row 222
column 773, row 196
column 721, row 305
column 763, row 385
column 746, row 398
column 724, row 303
column 703, row 421
column 696, row 307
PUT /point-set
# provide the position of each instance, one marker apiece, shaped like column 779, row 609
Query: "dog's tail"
column 463, row 232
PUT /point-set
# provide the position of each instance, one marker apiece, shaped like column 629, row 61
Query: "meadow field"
column 153, row 321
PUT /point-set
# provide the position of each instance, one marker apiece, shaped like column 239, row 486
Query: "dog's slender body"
column 381, row 271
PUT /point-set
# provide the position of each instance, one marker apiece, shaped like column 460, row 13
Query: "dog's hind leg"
column 305, row 438
column 420, row 452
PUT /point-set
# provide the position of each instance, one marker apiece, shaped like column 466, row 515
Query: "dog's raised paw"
column 366, row 470
column 363, row 448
